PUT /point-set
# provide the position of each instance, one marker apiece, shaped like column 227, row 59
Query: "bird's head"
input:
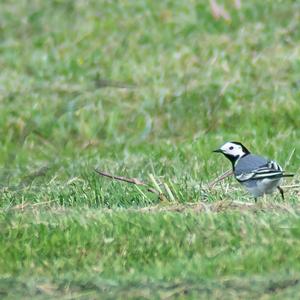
column 233, row 151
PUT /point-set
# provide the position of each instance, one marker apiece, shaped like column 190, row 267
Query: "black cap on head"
column 243, row 147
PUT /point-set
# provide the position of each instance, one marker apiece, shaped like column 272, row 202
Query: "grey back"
column 249, row 163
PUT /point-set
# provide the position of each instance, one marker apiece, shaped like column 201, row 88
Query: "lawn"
column 146, row 89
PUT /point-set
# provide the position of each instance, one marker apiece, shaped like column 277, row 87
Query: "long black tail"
column 288, row 175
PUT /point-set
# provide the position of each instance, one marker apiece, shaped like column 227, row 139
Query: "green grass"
column 138, row 88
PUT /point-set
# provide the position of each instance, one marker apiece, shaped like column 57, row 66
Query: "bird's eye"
column 231, row 148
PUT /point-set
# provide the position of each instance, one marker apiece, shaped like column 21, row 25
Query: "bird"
column 259, row 175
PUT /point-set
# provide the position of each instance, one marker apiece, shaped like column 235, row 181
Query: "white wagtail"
column 257, row 174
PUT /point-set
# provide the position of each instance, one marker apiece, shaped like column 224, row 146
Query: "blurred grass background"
column 135, row 88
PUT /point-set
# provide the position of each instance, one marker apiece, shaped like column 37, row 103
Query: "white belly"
column 261, row 187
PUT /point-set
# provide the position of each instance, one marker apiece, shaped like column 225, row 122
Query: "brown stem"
column 220, row 178
column 129, row 180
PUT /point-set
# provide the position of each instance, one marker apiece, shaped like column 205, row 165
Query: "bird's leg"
column 281, row 192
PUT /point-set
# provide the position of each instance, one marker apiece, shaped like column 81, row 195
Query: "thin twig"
column 290, row 186
column 129, row 180
column 220, row 178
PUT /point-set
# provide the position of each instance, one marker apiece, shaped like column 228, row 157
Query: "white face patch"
column 232, row 149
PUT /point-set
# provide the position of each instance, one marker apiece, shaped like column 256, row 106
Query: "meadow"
column 146, row 89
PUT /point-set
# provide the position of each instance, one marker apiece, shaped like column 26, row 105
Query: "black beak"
column 218, row 151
